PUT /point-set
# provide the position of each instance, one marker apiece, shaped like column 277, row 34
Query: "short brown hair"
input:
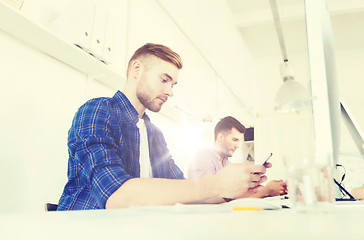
column 158, row 50
column 228, row 123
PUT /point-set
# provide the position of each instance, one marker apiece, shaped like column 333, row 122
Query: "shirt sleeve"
column 99, row 163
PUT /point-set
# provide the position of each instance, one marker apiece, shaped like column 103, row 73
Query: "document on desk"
column 270, row 203
column 243, row 204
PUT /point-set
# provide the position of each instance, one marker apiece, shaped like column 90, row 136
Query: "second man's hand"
column 237, row 181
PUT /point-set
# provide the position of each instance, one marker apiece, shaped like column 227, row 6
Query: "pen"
column 245, row 208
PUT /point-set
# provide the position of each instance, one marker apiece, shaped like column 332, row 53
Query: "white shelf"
column 25, row 30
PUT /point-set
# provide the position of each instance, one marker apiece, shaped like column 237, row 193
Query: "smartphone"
column 266, row 159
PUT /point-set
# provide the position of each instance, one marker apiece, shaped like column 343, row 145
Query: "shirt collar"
column 129, row 109
column 222, row 159
column 125, row 104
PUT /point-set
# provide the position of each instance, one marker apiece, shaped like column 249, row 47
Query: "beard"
column 222, row 150
column 227, row 152
column 149, row 103
column 143, row 95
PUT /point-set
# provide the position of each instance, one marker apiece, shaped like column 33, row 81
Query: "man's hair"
column 158, row 50
column 228, row 123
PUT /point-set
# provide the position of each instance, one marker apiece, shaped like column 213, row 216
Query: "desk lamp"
column 291, row 96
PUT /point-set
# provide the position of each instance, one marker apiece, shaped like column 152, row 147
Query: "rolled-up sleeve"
column 101, row 166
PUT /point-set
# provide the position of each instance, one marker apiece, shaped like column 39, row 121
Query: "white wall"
column 349, row 48
column 41, row 94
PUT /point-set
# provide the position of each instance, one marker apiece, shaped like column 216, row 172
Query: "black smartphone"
column 266, row 159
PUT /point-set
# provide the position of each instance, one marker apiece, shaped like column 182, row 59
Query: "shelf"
column 37, row 37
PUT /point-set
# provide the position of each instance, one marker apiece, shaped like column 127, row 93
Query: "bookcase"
column 248, row 145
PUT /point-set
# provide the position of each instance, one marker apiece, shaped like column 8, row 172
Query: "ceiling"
column 253, row 20
column 347, row 18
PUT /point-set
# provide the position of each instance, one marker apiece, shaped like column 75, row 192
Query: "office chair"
column 50, row 207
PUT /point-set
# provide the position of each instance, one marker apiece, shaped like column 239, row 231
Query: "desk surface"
column 345, row 221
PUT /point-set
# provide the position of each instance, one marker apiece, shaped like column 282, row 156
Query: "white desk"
column 187, row 222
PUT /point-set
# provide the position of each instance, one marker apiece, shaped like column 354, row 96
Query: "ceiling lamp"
column 291, row 96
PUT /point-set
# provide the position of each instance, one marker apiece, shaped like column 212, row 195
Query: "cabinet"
column 20, row 27
column 248, row 145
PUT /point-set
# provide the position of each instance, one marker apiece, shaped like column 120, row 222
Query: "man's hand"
column 358, row 192
column 276, row 188
column 239, row 180
column 273, row 188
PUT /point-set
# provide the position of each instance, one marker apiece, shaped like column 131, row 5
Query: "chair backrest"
column 50, row 207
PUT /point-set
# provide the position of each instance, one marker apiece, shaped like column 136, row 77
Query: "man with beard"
column 208, row 161
column 118, row 158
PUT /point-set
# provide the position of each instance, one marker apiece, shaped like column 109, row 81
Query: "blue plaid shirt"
column 103, row 146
